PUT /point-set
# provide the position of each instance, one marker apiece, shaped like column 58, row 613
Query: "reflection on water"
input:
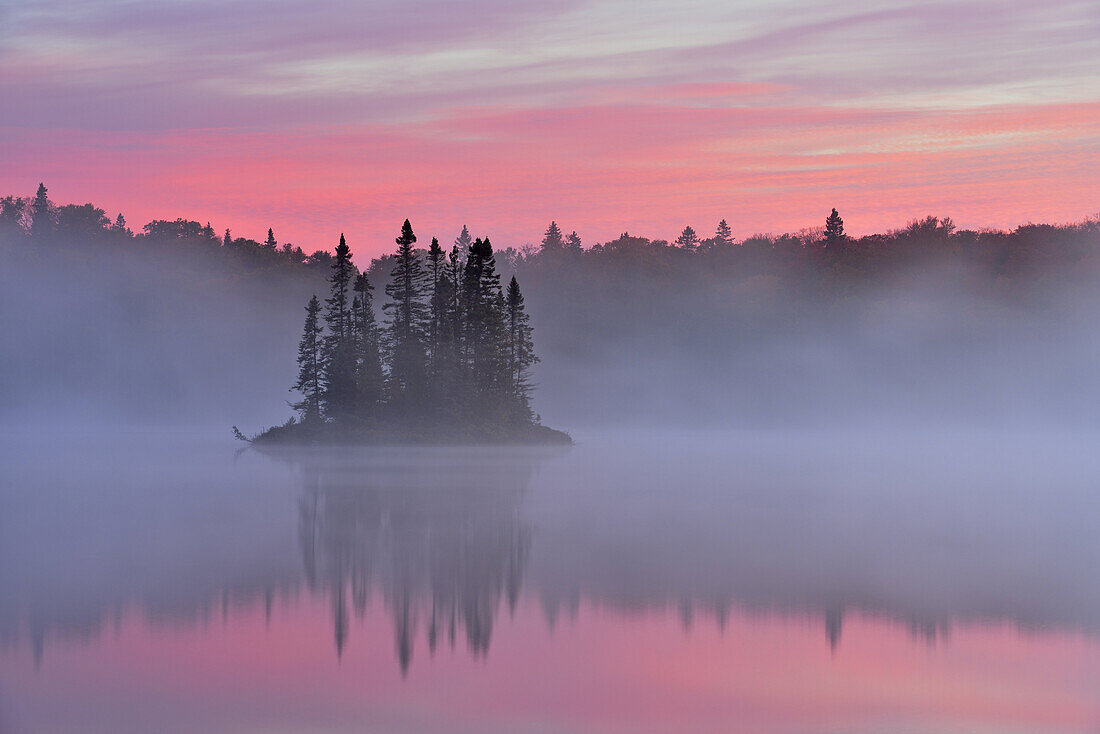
column 708, row 576
column 439, row 537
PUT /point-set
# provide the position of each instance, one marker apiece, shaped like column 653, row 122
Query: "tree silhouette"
column 309, row 365
column 723, row 235
column 42, row 214
column 573, row 242
column 834, row 230
column 408, row 316
column 688, row 239
column 521, row 351
column 553, row 240
column 369, row 382
column 339, row 348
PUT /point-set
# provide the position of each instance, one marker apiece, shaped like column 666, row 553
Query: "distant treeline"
column 814, row 322
column 818, row 254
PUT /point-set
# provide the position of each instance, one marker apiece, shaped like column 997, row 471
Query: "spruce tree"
column 483, row 303
column 270, row 242
column 227, row 240
column 437, row 264
column 456, row 264
column 309, row 366
column 723, row 235
column 521, row 352
column 553, row 239
column 369, row 382
column 573, row 242
column 688, row 239
column 339, row 348
column 42, row 214
column 407, row 322
column 834, row 230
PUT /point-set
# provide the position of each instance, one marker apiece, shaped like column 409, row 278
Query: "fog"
column 167, row 336
column 947, row 531
column 898, row 454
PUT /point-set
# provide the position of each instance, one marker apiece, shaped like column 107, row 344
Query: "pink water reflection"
column 597, row 671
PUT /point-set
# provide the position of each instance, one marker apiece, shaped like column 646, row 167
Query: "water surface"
column 635, row 583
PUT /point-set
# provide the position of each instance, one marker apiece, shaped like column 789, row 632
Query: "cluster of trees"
column 455, row 347
column 85, row 229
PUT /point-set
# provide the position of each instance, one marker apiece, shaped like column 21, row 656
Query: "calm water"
column 635, row 583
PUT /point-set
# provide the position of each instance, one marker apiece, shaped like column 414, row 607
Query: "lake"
column 156, row 581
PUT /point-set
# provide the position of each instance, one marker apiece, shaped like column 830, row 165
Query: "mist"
column 962, row 329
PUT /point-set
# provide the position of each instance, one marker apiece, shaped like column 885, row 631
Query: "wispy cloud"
column 321, row 115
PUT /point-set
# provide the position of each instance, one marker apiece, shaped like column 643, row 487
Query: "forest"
column 813, row 326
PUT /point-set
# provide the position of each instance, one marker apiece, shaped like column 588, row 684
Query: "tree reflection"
column 443, row 542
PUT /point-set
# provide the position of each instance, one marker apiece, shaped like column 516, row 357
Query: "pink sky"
column 317, row 118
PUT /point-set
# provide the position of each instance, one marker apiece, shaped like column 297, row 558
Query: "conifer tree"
column 521, row 352
column 553, row 240
column 573, row 242
column 834, row 230
column 227, row 240
column 369, row 382
column 464, row 240
column 309, row 366
column 42, row 214
column 456, row 263
column 437, row 263
column 408, row 317
column 339, row 348
column 723, row 235
column 688, row 239
column 270, row 242
column 483, row 303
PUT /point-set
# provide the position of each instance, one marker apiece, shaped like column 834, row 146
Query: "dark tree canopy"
column 688, row 239
column 834, row 229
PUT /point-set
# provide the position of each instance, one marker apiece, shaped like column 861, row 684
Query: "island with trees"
column 450, row 361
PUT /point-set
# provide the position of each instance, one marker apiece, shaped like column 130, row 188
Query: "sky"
column 317, row 117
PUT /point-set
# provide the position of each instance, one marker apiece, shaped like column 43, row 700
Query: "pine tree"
column 227, row 240
column 688, row 239
column 456, row 264
column 464, row 240
column 573, row 242
column 723, row 235
column 553, row 240
column 437, row 263
column 309, row 366
column 408, row 317
column 521, row 352
column 339, row 348
column 270, row 242
column 484, row 325
column 834, row 230
column 42, row 214
column 369, row 382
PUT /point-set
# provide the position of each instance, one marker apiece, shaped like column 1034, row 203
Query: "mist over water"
column 788, row 511
column 383, row 569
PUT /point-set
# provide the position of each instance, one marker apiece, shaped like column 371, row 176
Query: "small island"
column 450, row 364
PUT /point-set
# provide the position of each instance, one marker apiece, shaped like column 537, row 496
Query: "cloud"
column 315, row 116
